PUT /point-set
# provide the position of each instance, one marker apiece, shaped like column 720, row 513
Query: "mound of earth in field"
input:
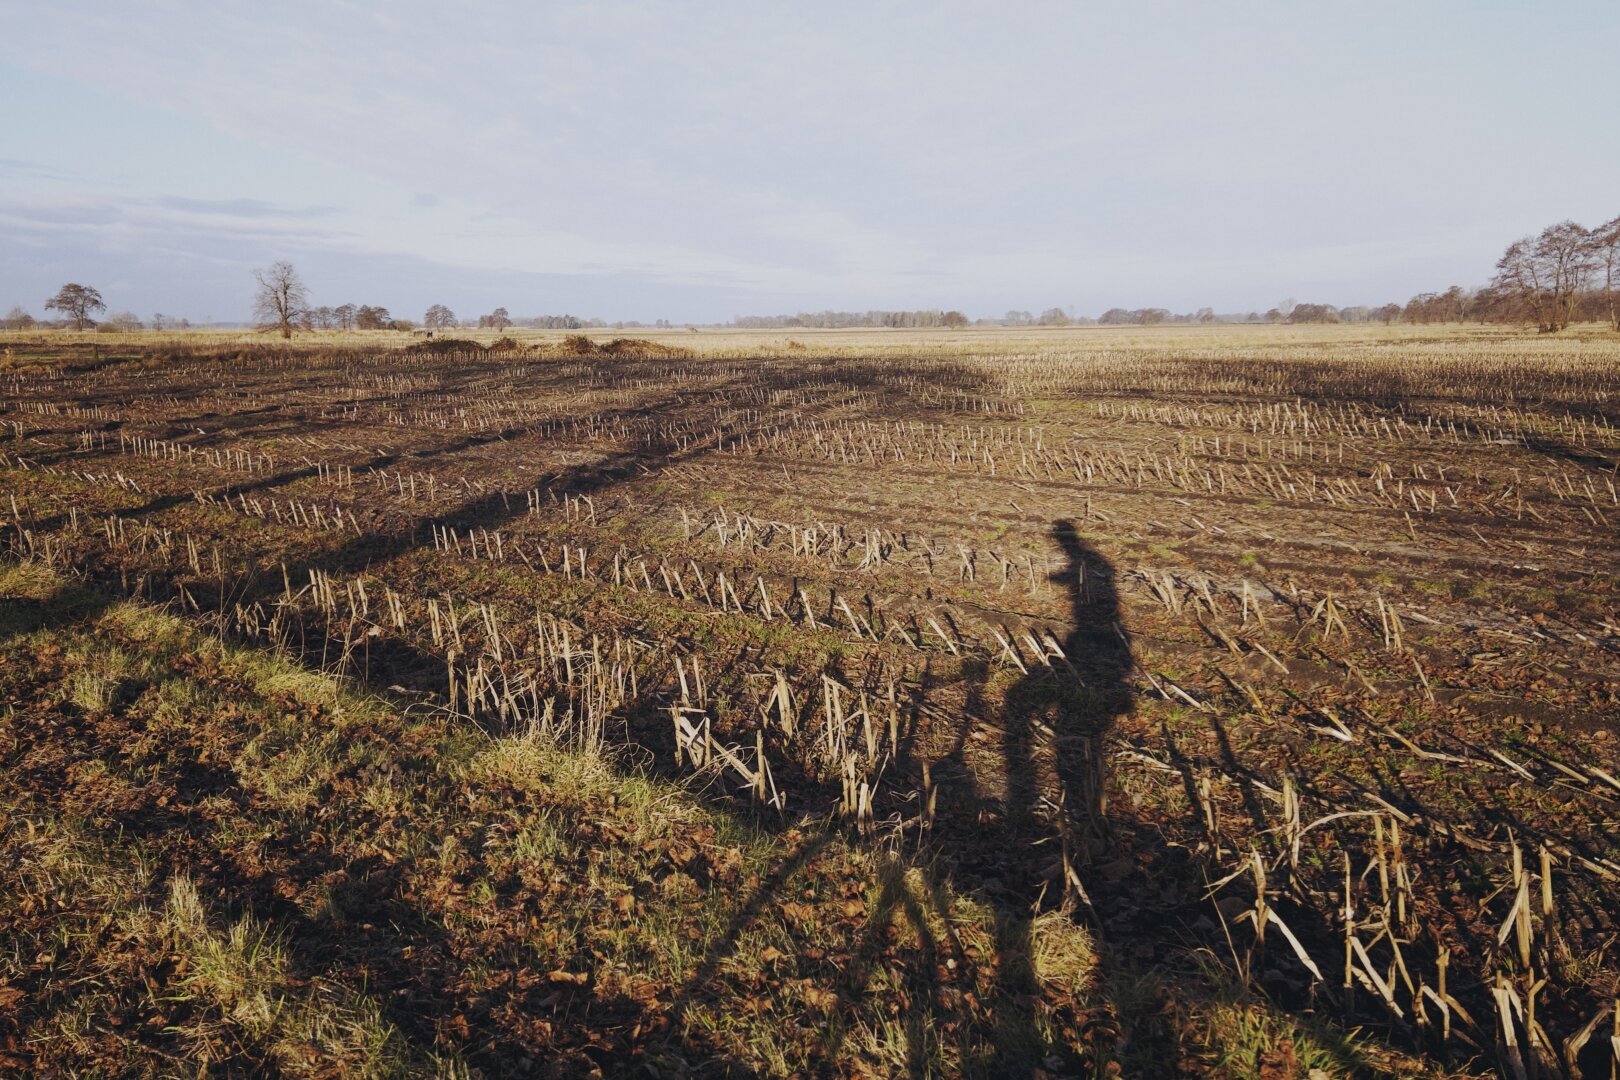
column 580, row 345
column 440, row 346
column 643, row 347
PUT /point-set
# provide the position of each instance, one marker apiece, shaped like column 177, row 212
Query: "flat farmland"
column 1230, row 701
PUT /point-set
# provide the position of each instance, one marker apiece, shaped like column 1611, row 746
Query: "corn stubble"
column 1295, row 658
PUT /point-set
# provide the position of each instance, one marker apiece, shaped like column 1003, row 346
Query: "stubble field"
column 1237, row 702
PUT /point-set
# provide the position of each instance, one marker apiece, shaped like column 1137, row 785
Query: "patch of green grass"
column 241, row 972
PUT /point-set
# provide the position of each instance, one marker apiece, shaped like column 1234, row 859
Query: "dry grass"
column 723, row 342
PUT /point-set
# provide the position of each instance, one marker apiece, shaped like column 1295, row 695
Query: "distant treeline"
column 1564, row 274
column 935, row 318
column 1567, row 273
column 842, row 320
column 119, row 322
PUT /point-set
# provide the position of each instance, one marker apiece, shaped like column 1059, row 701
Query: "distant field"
column 1233, row 701
column 974, row 340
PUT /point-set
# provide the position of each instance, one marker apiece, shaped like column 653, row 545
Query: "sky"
column 697, row 161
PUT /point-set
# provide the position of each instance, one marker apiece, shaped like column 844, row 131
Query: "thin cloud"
column 37, row 171
column 242, row 208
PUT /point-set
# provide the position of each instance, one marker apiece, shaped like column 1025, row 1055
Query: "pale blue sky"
column 696, row 161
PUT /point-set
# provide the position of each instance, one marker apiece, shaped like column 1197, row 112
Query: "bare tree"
column 16, row 319
column 344, row 314
column 281, row 299
column 439, row 317
column 1605, row 244
column 1548, row 272
column 497, row 319
column 953, row 320
column 121, row 322
column 76, row 302
column 1312, row 313
column 367, row 317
